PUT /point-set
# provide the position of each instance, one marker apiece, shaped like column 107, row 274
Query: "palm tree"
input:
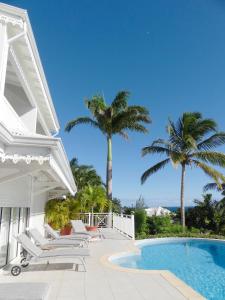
column 220, row 207
column 204, row 214
column 84, row 175
column 113, row 119
column 93, row 198
column 191, row 142
column 215, row 187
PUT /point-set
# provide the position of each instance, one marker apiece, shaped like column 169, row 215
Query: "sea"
column 175, row 208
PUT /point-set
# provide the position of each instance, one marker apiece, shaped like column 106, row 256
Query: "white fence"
column 124, row 224
column 96, row 219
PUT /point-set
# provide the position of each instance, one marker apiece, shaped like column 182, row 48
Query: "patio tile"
column 100, row 282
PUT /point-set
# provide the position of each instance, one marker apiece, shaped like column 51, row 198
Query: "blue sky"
column 169, row 54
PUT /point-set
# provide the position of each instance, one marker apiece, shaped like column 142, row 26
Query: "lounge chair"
column 36, row 254
column 46, row 244
column 79, row 228
column 55, row 235
column 24, row 291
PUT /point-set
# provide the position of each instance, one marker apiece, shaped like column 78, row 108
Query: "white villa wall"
column 20, row 103
column 8, row 113
column 30, row 119
column 16, row 193
column 37, row 212
column 26, row 108
column 17, row 98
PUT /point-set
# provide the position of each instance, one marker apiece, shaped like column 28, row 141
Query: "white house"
column 33, row 163
column 157, row 211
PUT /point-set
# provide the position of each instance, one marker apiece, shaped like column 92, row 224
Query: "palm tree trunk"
column 109, row 168
column 182, row 197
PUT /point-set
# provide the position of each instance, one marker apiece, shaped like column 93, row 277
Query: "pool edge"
column 187, row 291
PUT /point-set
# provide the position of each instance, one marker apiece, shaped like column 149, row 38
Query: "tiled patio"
column 102, row 281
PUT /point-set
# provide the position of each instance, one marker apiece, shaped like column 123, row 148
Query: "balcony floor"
column 102, row 281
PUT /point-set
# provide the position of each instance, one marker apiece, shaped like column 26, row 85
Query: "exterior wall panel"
column 16, row 193
column 37, row 212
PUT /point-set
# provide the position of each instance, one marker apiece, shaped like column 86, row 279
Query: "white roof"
column 25, row 47
column 42, row 149
column 157, row 211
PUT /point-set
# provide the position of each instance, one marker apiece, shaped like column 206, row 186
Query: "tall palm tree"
column 113, row 119
column 191, row 142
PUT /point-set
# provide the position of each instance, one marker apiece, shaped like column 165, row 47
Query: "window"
column 12, row 221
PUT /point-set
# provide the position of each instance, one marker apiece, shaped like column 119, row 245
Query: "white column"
column 3, row 56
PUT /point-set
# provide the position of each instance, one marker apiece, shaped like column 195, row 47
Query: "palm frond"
column 154, row 169
column 155, row 149
column 162, row 142
column 215, row 158
column 204, row 126
column 129, row 120
column 213, row 186
column 138, row 109
column 123, row 134
column 137, row 127
column 191, row 115
column 79, row 121
column 96, row 105
column 175, row 135
column 211, row 172
column 120, row 101
column 213, row 141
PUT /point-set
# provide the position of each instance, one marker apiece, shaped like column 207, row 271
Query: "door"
column 4, row 234
column 14, row 230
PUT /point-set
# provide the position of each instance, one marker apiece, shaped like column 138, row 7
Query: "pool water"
column 199, row 263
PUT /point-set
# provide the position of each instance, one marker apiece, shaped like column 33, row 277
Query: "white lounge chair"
column 36, row 254
column 55, row 235
column 79, row 228
column 24, row 291
column 49, row 244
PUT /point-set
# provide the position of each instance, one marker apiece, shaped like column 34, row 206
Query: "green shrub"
column 194, row 230
column 174, row 228
column 140, row 217
column 141, row 236
column 163, row 224
column 59, row 212
column 185, row 234
column 159, row 224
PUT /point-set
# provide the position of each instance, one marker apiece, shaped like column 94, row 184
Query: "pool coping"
column 187, row 291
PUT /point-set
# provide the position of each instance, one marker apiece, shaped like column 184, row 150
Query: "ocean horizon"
column 175, row 208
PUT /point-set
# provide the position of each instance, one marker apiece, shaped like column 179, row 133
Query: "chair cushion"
column 24, row 291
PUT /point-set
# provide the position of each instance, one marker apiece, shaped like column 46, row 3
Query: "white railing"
column 96, row 219
column 124, row 224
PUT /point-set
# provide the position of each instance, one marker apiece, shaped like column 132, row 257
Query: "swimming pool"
column 198, row 262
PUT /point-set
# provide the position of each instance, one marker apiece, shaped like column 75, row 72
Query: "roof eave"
column 22, row 13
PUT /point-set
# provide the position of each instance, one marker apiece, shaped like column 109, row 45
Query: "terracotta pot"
column 66, row 230
column 91, row 228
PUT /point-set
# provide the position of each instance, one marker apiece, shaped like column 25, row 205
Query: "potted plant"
column 66, row 230
column 59, row 212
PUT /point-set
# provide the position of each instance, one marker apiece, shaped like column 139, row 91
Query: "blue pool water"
column 199, row 263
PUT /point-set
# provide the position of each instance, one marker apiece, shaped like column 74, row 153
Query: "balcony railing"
column 122, row 223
